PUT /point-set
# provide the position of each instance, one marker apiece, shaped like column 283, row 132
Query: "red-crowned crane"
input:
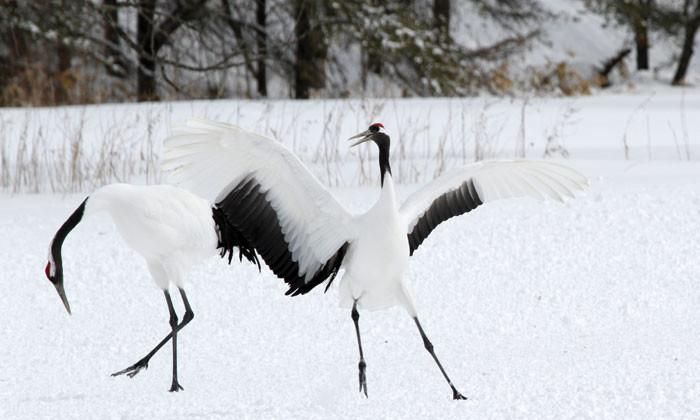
column 171, row 228
column 305, row 236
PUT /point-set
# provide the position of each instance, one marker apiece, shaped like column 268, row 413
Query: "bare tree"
column 689, row 19
column 115, row 63
column 37, row 62
column 441, row 14
column 312, row 48
column 635, row 14
column 153, row 49
column 261, row 37
column 153, row 32
column 13, row 42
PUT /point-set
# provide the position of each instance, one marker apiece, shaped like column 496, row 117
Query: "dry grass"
column 54, row 150
column 554, row 146
column 76, row 149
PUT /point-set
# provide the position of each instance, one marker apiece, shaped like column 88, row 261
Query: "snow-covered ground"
column 583, row 310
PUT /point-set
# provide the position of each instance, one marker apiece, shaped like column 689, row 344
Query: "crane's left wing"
column 467, row 188
column 267, row 194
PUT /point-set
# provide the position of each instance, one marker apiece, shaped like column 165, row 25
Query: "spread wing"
column 467, row 188
column 294, row 223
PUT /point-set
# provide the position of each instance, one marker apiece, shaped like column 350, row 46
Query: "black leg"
column 132, row 370
column 429, row 346
column 173, row 325
column 362, row 366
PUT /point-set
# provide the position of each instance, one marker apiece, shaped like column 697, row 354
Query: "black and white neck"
column 376, row 133
column 54, row 268
column 384, row 144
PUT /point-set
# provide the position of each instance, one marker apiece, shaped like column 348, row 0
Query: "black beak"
column 62, row 294
column 363, row 136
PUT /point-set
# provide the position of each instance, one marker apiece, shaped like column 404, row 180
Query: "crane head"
column 55, row 275
column 375, row 132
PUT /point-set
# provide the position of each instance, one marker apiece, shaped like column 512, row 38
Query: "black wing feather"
column 230, row 237
column 453, row 203
column 248, row 209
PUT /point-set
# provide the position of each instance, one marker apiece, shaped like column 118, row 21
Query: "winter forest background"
column 55, row 52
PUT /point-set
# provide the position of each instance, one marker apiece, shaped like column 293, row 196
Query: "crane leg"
column 132, row 370
column 429, row 346
column 362, row 365
column 175, row 387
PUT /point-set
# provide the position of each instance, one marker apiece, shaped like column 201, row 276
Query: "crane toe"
column 134, row 369
column 363, row 378
column 175, row 387
column 456, row 395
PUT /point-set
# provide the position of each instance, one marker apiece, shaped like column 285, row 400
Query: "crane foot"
column 363, row 378
column 457, row 396
column 134, row 369
column 175, row 387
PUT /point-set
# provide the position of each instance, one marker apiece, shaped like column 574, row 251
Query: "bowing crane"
column 305, row 236
column 171, row 228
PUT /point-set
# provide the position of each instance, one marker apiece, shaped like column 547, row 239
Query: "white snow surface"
column 584, row 310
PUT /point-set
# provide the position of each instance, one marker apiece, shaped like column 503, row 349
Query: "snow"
column 536, row 310
column 582, row 310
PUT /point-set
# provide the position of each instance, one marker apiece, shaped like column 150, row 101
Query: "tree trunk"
column 237, row 28
column 152, row 36
column 261, row 71
column 374, row 55
column 146, row 74
column 640, row 13
column 642, row 42
column 116, row 65
column 441, row 14
column 372, row 60
column 310, row 65
column 61, row 79
column 14, row 56
column 691, row 29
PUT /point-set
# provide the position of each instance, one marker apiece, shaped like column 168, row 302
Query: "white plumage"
column 170, row 227
column 259, row 183
column 210, row 159
column 495, row 180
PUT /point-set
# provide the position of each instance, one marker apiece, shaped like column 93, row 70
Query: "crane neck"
column 63, row 231
column 98, row 201
column 54, row 268
column 384, row 165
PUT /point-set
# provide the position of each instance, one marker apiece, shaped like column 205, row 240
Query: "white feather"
column 497, row 180
column 168, row 226
column 211, row 158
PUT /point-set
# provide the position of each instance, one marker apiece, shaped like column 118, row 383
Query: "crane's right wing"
column 464, row 189
column 293, row 222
